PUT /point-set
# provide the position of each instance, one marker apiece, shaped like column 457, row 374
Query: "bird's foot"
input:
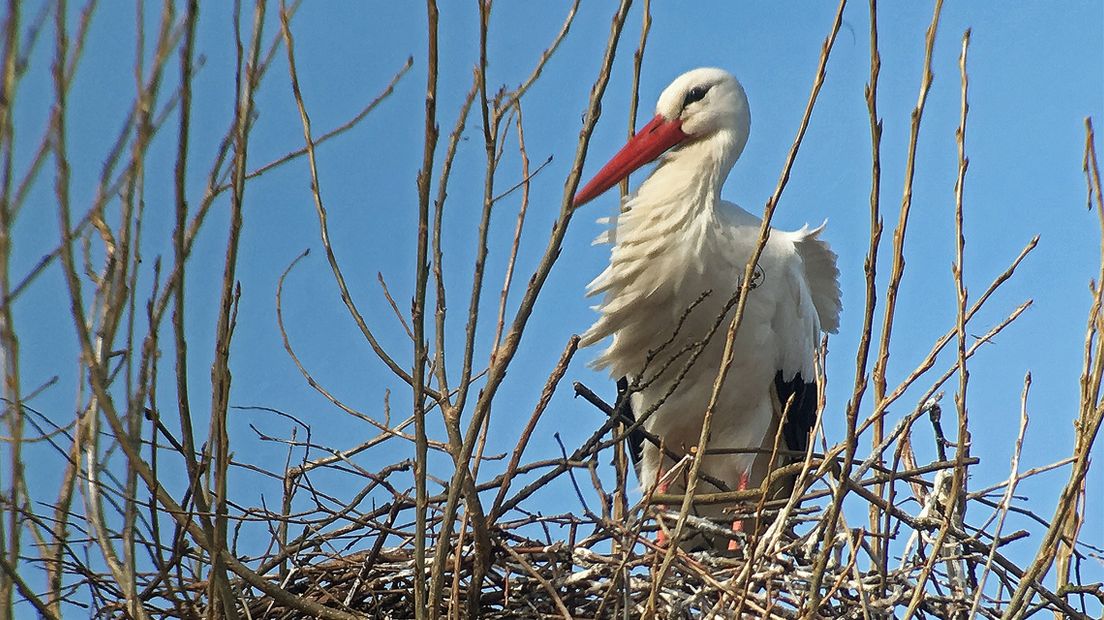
column 738, row 524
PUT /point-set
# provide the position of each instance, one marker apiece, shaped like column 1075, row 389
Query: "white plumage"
column 675, row 240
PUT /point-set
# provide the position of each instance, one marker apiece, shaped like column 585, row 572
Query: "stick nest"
column 605, row 564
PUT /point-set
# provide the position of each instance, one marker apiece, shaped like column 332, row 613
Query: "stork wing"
column 821, row 274
column 815, row 283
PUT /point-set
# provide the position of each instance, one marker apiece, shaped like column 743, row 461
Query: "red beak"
column 649, row 143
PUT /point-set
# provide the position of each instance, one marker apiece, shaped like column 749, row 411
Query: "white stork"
column 675, row 240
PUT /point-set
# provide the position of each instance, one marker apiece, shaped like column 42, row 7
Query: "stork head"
column 697, row 106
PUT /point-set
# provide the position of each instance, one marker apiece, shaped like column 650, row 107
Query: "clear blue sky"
column 1035, row 69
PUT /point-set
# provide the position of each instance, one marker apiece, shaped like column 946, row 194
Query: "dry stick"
column 386, row 431
column 491, row 126
column 457, row 557
column 394, row 306
column 343, row 456
column 452, row 412
column 760, row 546
column 506, row 352
column 174, row 288
column 525, row 179
column 474, row 510
column 139, row 121
column 902, row 428
column 88, row 435
column 153, row 316
column 10, row 543
column 107, row 189
column 745, row 287
column 1006, row 501
column 523, row 440
column 904, row 425
column 862, row 354
column 593, row 445
column 503, row 297
column 954, row 504
column 620, row 459
column 8, row 83
column 98, row 383
column 481, row 529
column 957, row 503
column 1090, row 387
column 986, row 338
column 456, row 136
column 980, row 494
column 1089, row 420
column 857, row 572
column 339, row 278
column 417, row 318
column 728, row 497
column 82, row 30
column 336, row 131
column 626, row 556
column 634, row 96
column 110, row 161
column 483, row 559
column 490, row 141
column 44, row 608
column 121, row 295
column 929, row 360
column 851, row 565
column 384, row 427
column 542, row 580
column 219, row 438
column 523, row 208
column 438, row 256
column 405, row 503
column 168, row 38
column 316, row 190
column 970, row 541
column 34, row 31
column 51, row 553
column 219, row 181
column 898, row 267
column 511, row 98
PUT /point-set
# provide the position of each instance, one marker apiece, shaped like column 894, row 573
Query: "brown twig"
column 1066, row 520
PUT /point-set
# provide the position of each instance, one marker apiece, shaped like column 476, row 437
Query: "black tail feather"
column 636, row 437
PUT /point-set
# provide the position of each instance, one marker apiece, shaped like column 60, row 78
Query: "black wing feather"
column 801, row 413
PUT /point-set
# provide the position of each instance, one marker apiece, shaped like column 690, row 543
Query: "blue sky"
column 1035, row 74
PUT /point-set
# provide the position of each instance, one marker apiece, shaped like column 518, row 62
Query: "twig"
column 1088, row 422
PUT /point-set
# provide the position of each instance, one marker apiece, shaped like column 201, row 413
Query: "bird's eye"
column 695, row 94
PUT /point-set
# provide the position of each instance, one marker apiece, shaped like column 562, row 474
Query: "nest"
column 596, row 577
column 805, row 560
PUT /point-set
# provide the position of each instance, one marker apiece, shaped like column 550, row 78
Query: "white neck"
column 687, row 182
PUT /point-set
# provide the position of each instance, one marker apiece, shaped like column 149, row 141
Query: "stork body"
column 675, row 241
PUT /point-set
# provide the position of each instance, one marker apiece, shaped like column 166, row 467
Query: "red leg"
column 738, row 524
